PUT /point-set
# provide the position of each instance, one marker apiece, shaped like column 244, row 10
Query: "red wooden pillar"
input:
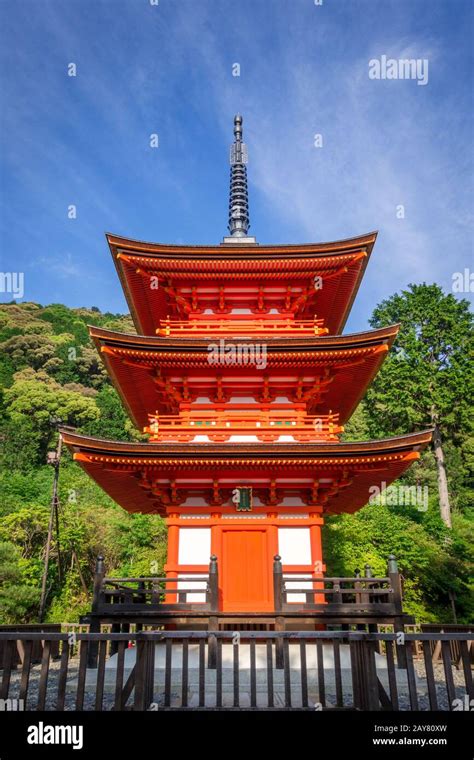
column 172, row 563
column 317, row 550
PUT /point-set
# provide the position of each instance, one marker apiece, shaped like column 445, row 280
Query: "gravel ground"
column 108, row 700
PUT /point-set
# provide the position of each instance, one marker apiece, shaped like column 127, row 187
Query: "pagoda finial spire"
column 238, row 201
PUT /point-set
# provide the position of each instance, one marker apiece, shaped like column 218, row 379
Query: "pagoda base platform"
column 242, row 620
column 323, row 603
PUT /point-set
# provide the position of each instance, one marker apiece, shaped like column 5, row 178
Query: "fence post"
column 364, row 675
column 144, row 672
column 396, row 586
column 278, row 590
column 214, row 605
column 97, row 597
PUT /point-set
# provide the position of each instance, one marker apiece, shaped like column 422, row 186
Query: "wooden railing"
column 304, row 670
column 360, row 594
column 456, row 654
column 267, row 426
column 36, row 652
column 361, row 599
column 128, row 595
column 240, row 325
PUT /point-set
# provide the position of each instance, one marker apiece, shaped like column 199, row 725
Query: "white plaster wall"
column 194, row 546
column 194, row 549
column 294, row 546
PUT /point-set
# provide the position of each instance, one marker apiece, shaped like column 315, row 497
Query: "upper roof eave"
column 118, row 244
column 141, row 247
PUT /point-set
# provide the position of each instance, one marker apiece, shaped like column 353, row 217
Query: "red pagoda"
column 243, row 381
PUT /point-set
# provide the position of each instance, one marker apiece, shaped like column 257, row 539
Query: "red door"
column 246, row 582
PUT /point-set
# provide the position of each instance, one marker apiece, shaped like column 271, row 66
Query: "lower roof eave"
column 140, row 476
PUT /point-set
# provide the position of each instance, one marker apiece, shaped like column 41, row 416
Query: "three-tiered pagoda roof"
column 243, row 381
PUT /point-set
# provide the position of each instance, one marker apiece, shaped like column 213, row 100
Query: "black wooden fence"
column 301, row 670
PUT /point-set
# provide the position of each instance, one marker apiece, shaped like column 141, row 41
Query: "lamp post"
column 54, row 459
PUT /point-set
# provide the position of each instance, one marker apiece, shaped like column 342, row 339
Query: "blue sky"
column 167, row 69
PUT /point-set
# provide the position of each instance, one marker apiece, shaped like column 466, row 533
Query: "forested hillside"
column 50, row 373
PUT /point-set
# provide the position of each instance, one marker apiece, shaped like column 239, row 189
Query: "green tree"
column 427, row 380
column 18, row 599
column 433, row 566
column 29, row 350
column 357, row 428
column 38, row 398
column 66, row 320
column 112, row 422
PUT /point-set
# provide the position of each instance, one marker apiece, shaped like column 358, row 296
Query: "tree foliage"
column 428, row 381
column 18, row 597
column 429, row 369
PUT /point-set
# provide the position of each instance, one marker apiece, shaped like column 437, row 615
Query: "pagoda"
column 241, row 378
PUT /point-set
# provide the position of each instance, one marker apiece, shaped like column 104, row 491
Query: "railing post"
column 396, row 586
column 336, row 595
column 368, row 571
column 358, row 596
column 277, row 583
column 337, row 598
column 278, row 591
column 213, row 584
column 141, row 598
column 364, row 598
column 98, row 583
column 97, row 600
column 395, row 583
column 369, row 574
column 214, row 607
column 155, row 592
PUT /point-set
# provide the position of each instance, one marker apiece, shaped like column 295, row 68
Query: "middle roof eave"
column 397, row 444
column 171, row 344
column 129, row 359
